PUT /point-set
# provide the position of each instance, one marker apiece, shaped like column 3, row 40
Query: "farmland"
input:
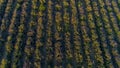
column 59, row 33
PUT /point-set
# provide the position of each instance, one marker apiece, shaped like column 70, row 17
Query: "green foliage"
column 79, row 4
column 17, row 6
column 20, row 1
column 57, row 33
column 42, row 7
column 66, row 4
column 57, row 7
column 3, row 63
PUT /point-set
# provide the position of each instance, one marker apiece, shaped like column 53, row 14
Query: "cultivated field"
column 59, row 33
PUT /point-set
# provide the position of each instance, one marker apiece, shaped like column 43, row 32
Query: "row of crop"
column 50, row 49
column 99, row 27
column 115, row 19
column 66, row 18
column 116, row 10
column 74, row 36
column 108, row 31
column 91, row 21
column 10, row 36
column 93, row 34
column 41, row 36
column 115, row 43
column 5, row 22
column 31, row 35
column 18, row 52
column 20, row 37
column 83, row 32
column 37, row 53
column 47, row 33
column 3, row 6
column 57, row 37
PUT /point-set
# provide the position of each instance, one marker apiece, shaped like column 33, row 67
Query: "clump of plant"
column 42, row 7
